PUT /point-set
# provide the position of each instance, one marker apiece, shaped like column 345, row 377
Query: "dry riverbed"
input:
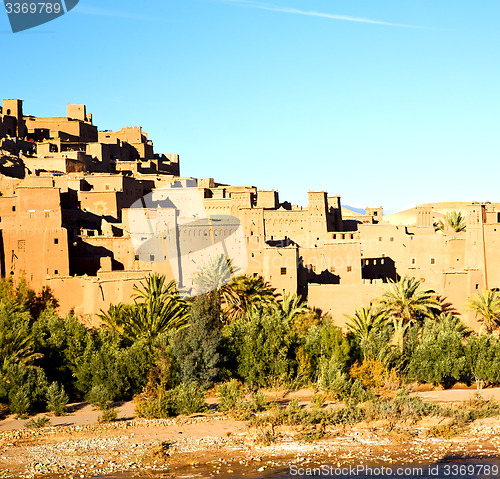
column 213, row 444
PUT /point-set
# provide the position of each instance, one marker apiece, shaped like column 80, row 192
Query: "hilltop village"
column 66, row 192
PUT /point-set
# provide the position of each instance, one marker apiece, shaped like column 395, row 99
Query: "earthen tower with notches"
column 66, row 196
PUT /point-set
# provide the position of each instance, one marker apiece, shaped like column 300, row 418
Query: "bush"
column 440, row 356
column 25, row 388
column 257, row 402
column 264, row 347
column 198, row 349
column 110, row 362
column 160, row 403
column 333, row 379
column 108, row 415
column 37, row 423
column 19, row 402
column 189, row 399
column 482, row 355
column 401, row 407
column 57, row 399
column 99, row 397
column 230, row 395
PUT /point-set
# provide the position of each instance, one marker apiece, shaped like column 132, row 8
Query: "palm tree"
column 16, row 347
column 116, row 316
column 214, row 275
column 454, row 219
column 293, row 306
column 157, row 308
column 16, row 340
column 404, row 301
column 365, row 322
column 243, row 292
column 405, row 304
column 486, row 305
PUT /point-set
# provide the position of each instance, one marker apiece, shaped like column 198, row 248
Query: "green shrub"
column 264, row 346
column 57, row 399
column 483, row 359
column 230, row 396
column 318, row 400
column 257, row 402
column 332, row 378
column 160, row 405
column 37, row 423
column 189, row 399
column 20, row 403
column 25, row 388
column 109, row 361
column 401, row 407
column 99, row 397
column 108, row 415
column 198, row 350
column 440, row 356
column 325, row 340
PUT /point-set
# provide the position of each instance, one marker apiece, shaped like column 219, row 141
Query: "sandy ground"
column 208, row 445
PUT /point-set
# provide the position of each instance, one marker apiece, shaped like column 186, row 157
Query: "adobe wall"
column 88, row 295
column 341, row 299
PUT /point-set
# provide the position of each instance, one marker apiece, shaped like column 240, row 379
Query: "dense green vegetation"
column 240, row 338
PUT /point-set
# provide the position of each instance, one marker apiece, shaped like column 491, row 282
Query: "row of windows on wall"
column 343, row 236
column 432, row 261
column 152, row 257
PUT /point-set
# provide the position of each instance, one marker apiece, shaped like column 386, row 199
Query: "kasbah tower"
column 66, row 189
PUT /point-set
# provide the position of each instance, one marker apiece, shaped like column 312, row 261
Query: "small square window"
column 47, row 214
column 151, row 257
column 349, row 269
column 283, row 271
column 391, row 238
column 137, row 257
column 56, row 271
column 433, row 260
column 413, row 260
column 477, row 286
column 380, row 238
column 32, row 214
column 56, row 240
column 13, row 208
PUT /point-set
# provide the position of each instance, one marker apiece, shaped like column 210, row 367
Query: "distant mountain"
column 361, row 211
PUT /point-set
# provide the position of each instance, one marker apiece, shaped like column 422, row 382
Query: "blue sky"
column 390, row 103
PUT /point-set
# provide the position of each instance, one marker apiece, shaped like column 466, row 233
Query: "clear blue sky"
column 387, row 102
